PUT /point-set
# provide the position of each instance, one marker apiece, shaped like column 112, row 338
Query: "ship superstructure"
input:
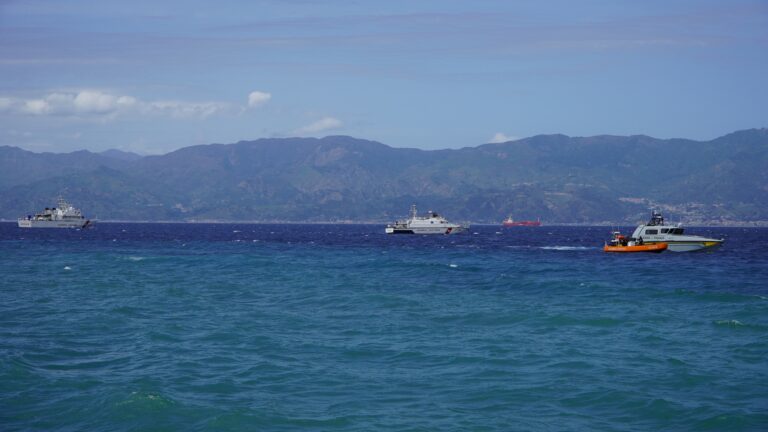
column 432, row 223
column 64, row 215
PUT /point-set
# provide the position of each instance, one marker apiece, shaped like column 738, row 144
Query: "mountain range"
column 559, row 179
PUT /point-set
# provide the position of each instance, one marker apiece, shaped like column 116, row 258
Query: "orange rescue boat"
column 656, row 247
column 621, row 244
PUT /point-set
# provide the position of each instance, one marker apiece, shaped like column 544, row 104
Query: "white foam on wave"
column 566, row 248
column 135, row 258
column 453, row 265
column 67, row 268
column 146, row 400
column 732, row 322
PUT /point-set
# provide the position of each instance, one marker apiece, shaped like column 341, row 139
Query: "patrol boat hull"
column 433, row 223
column 425, row 230
column 692, row 246
column 653, row 248
column 27, row 223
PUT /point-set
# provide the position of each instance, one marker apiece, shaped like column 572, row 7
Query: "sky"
column 151, row 77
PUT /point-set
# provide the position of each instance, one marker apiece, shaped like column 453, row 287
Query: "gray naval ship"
column 63, row 216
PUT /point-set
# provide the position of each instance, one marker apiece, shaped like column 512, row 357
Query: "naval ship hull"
column 29, row 223
column 425, row 230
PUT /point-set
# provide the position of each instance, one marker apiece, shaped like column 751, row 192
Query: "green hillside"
column 560, row 179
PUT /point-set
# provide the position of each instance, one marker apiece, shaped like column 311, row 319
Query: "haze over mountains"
column 560, row 179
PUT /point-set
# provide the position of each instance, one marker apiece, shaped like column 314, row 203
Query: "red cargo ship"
column 509, row 222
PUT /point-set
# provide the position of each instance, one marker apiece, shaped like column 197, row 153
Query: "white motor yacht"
column 657, row 231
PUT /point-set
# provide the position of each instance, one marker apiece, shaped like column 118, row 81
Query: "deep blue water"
column 322, row 327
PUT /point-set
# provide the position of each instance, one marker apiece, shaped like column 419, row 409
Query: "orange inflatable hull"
column 656, row 247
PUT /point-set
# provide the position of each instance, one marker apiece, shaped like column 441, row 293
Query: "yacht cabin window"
column 651, row 231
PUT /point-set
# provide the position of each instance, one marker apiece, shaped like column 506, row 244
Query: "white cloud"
column 67, row 104
column 94, row 102
column 500, row 137
column 324, row 124
column 6, row 103
column 127, row 101
column 179, row 109
column 257, row 98
column 99, row 104
column 35, row 107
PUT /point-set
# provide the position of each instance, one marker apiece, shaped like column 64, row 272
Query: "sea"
column 339, row 327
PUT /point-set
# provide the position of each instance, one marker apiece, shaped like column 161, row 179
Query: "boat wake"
column 567, row 248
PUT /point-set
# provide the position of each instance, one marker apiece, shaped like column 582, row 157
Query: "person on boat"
column 640, row 241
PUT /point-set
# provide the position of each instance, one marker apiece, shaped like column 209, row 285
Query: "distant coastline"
column 572, row 181
column 735, row 224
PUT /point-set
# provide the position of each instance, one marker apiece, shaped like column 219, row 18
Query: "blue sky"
column 151, row 77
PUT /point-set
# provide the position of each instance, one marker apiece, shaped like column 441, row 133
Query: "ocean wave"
column 322, row 331
column 143, row 400
column 565, row 320
column 730, row 323
column 567, row 248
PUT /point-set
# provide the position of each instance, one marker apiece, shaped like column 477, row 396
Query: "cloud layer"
column 324, row 124
column 500, row 137
column 257, row 98
column 100, row 104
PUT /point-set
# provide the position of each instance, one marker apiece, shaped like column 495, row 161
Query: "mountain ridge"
column 561, row 179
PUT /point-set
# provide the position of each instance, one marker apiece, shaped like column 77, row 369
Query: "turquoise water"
column 321, row 327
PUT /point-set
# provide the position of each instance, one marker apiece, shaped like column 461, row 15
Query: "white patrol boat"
column 433, row 223
column 656, row 231
column 63, row 216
